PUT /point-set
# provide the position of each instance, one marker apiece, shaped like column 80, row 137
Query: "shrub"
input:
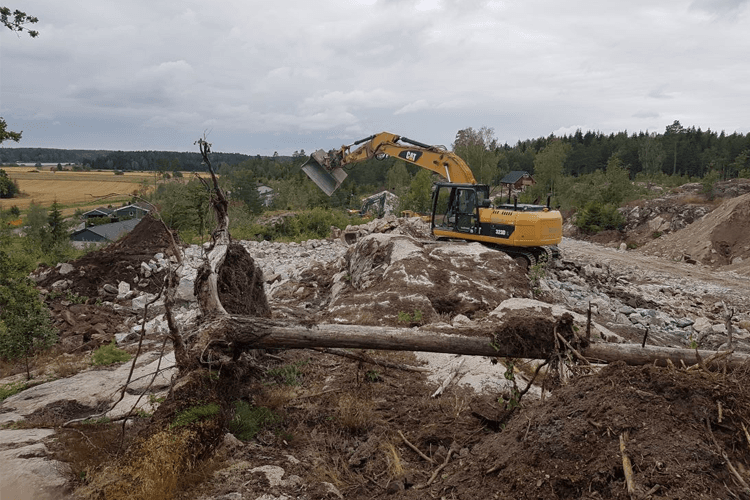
column 597, row 216
column 195, row 414
column 25, row 327
column 303, row 225
column 708, row 182
column 249, row 420
column 109, row 354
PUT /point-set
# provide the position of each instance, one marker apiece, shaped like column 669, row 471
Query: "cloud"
column 285, row 73
column 719, row 7
column 646, row 114
column 413, row 107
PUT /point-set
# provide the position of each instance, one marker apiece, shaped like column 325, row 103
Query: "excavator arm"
column 327, row 169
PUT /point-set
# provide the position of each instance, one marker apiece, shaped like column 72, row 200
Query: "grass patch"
column 195, row 414
column 355, row 414
column 410, row 318
column 9, row 390
column 109, row 354
column 249, row 420
column 287, row 374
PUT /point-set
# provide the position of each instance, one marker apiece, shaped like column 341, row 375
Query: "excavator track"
column 526, row 257
column 530, row 256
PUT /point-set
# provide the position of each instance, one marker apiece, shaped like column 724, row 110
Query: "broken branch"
column 406, row 441
column 627, row 466
column 437, row 471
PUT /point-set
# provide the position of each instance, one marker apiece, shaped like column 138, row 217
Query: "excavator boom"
column 327, row 172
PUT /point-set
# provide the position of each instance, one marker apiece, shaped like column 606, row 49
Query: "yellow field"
column 73, row 190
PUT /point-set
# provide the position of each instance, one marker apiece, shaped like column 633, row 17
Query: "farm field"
column 74, row 190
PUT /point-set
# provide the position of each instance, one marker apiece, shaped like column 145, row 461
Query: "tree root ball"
column 240, row 284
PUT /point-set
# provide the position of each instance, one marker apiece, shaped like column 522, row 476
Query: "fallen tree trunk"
column 243, row 332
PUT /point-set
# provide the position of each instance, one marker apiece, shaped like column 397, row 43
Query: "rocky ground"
column 340, row 428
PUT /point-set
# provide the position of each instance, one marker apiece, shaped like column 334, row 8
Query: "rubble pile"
column 720, row 238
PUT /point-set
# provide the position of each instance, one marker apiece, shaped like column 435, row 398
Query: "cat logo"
column 412, row 156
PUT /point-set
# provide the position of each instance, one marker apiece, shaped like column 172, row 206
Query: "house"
column 98, row 213
column 104, row 232
column 132, row 211
column 518, row 179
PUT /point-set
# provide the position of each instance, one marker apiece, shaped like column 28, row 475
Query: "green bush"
column 109, row 354
column 708, row 182
column 25, row 327
column 249, row 420
column 304, row 225
column 195, row 414
column 597, row 216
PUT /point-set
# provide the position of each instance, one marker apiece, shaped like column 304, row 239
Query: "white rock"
column 60, row 285
column 185, row 290
column 460, row 319
column 701, row 325
column 141, row 301
column 145, row 269
column 721, row 329
column 66, row 268
column 27, row 471
column 91, row 388
column 122, row 289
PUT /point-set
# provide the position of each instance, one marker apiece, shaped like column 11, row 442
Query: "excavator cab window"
column 456, row 206
column 444, row 207
column 466, row 214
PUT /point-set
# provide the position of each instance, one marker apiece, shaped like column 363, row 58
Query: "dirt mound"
column 392, row 279
column 348, row 427
column 120, row 261
column 684, row 428
column 720, row 238
column 84, row 326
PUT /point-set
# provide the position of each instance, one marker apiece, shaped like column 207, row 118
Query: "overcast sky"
column 285, row 75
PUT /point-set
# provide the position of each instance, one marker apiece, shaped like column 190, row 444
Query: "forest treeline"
column 685, row 151
column 118, row 160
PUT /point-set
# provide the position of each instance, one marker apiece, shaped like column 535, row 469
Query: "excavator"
column 461, row 208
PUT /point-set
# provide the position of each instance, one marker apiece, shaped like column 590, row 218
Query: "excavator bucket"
column 316, row 170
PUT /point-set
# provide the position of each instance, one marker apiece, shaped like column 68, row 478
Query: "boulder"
column 395, row 279
column 701, row 325
column 65, row 268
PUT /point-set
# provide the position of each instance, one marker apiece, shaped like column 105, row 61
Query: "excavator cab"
column 455, row 207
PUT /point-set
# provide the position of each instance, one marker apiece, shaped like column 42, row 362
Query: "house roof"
column 101, row 210
column 133, row 205
column 111, row 231
column 514, row 177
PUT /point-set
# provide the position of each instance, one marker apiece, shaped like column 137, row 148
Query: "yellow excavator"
column 461, row 208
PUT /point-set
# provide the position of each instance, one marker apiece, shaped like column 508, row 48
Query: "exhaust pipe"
column 327, row 179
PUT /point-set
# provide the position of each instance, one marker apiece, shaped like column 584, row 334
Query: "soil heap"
column 720, row 238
